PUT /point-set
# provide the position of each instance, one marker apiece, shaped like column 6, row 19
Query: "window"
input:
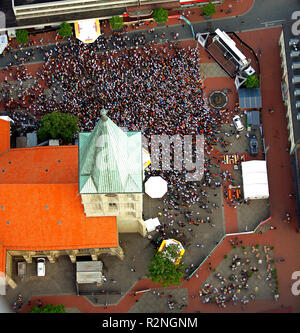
column 112, row 206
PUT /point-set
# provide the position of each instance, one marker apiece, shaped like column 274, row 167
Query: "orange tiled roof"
column 2, row 260
column 40, row 208
column 36, row 217
column 4, row 136
column 39, row 165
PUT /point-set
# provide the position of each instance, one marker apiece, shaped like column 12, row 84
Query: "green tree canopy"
column 65, row 30
column 58, row 125
column 163, row 270
column 116, row 22
column 252, row 81
column 160, row 15
column 22, row 36
column 48, row 308
column 209, row 9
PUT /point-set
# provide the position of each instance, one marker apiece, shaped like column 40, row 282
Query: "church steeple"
column 110, row 160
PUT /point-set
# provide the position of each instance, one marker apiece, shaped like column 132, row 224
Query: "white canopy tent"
column 3, row 43
column 151, row 224
column 87, row 30
column 156, row 187
column 255, row 179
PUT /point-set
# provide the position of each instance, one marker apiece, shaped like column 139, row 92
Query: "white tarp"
column 151, row 224
column 255, row 179
column 87, row 30
column 3, row 43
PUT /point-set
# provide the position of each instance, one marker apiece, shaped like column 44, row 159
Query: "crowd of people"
column 238, row 287
column 155, row 89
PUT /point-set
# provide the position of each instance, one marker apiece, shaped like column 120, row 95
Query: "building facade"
column 45, row 13
column 290, row 88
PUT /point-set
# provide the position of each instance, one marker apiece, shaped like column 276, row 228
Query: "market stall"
column 87, row 30
column 255, row 179
column 167, row 242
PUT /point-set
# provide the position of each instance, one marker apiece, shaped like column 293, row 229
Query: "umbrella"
column 167, row 242
column 3, row 43
column 156, row 187
column 87, row 30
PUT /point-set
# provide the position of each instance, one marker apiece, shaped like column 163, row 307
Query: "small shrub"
column 243, row 247
column 234, row 246
column 225, row 256
column 252, row 81
column 256, row 246
column 209, row 9
column 249, row 273
column 272, row 247
column 22, row 36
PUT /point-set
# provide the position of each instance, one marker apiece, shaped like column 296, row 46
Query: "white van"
column 238, row 123
column 41, row 267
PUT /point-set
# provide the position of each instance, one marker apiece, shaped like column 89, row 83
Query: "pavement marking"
column 271, row 22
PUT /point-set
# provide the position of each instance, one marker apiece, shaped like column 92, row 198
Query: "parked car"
column 253, row 145
column 238, row 123
column 41, row 267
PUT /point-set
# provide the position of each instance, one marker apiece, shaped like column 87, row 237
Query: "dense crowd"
column 155, row 89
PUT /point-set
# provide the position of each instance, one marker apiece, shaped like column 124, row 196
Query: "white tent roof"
column 151, row 224
column 3, row 43
column 255, row 179
column 87, row 30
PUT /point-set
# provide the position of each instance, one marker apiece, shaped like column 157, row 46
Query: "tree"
column 209, row 9
column 163, row 270
column 160, row 15
column 252, row 81
column 22, row 36
column 58, row 125
column 65, row 30
column 48, row 308
column 116, row 22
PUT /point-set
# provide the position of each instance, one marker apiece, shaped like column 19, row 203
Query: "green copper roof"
column 110, row 160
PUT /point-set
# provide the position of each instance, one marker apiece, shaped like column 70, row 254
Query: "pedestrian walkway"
column 229, row 9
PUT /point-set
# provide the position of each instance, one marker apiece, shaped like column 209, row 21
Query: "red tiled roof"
column 4, row 136
column 40, row 165
column 40, row 208
column 50, row 217
column 2, row 260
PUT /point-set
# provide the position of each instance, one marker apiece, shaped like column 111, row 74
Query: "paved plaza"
column 198, row 240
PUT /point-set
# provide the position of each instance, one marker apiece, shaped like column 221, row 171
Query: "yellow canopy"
column 87, row 30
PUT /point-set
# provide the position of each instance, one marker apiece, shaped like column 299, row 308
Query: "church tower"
column 111, row 174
